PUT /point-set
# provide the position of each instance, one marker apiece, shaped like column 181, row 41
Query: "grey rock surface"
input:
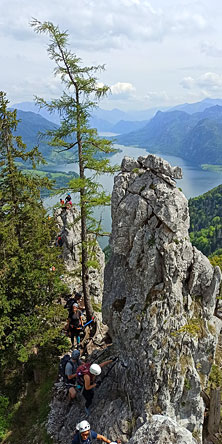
column 162, row 430
column 69, row 228
column 160, row 295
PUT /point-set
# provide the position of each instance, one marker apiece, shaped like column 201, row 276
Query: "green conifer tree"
column 29, row 316
column 80, row 96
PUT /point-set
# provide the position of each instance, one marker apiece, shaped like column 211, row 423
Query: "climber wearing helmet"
column 86, row 375
column 68, row 198
column 85, row 435
column 70, row 372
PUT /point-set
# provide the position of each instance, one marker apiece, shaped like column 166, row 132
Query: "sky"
column 157, row 53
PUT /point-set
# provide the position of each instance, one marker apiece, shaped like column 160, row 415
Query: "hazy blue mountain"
column 213, row 113
column 203, row 144
column 111, row 116
column 125, row 126
column 192, row 108
column 162, row 133
column 115, row 115
column 100, row 124
column 29, row 128
column 31, row 106
column 196, row 137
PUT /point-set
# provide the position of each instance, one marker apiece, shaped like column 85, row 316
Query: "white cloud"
column 211, row 49
column 98, row 24
column 48, row 87
column 123, row 89
column 154, row 97
column 208, row 82
column 187, row 82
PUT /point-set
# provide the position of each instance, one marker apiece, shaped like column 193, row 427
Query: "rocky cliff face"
column 160, row 295
column 70, row 230
column 159, row 301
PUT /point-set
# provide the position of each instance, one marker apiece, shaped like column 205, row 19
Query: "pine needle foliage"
column 29, row 315
column 81, row 93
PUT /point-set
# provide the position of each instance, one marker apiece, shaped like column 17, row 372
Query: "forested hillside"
column 206, row 221
column 195, row 137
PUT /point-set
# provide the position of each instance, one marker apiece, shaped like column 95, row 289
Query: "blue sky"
column 157, row 53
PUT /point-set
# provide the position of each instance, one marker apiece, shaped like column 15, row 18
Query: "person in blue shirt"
column 70, row 373
column 85, row 436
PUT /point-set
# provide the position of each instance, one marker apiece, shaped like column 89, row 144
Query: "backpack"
column 62, row 366
column 81, row 371
column 69, row 303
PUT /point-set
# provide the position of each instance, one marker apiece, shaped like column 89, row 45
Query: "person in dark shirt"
column 68, row 198
column 75, row 324
column 85, row 436
column 88, row 382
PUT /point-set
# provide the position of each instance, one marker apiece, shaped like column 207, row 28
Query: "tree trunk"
column 214, row 413
column 85, row 270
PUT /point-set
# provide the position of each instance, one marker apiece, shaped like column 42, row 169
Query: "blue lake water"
column 195, row 181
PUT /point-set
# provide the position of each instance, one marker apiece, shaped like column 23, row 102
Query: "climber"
column 68, row 198
column 72, row 300
column 75, row 324
column 62, row 202
column 86, row 375
column 69, row 204
column 78, row 300
column 86, row 436
column 59, row 241
column 70, row 372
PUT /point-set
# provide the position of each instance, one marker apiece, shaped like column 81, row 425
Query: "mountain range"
column 191, row 131
column 195, row 137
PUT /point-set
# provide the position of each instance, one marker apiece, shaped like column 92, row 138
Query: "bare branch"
column 67, row 149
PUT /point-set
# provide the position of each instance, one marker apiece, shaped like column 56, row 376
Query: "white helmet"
column 95, row 369
column 83, row 426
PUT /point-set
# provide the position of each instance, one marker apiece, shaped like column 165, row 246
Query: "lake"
column 195, row 181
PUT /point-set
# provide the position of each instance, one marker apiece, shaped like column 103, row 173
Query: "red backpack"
column 81, row 371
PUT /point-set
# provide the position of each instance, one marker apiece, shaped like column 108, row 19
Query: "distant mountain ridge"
column 30, row 127
column 100, row 115
column 194, row 137
column 192, row 108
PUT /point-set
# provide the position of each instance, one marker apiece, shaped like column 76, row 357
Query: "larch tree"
column 81, row 94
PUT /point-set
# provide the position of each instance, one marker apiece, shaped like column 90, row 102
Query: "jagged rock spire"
column 160, row 295
column 69, row 227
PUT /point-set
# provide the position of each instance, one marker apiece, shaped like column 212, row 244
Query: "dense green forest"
column 206, row 221
column 30, row 286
